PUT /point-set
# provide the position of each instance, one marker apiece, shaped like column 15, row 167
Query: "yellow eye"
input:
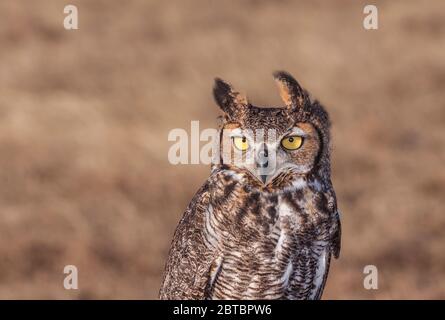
column 292, row 143
column 241, row 143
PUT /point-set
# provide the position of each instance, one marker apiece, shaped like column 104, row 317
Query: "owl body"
column 260, row 235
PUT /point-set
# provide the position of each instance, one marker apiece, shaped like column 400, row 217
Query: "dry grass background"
column 84, row 118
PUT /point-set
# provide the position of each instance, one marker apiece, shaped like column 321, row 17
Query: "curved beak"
column 262, row 163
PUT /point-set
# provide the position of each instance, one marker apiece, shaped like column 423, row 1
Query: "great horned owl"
column 263, row 226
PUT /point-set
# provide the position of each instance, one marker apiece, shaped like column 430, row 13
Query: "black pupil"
column 291, row 139
column 243, row 139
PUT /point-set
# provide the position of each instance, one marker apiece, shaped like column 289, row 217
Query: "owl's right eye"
column 292, row 143
column 240, row 143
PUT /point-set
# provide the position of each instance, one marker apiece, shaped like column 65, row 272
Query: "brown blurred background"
column 84, row 118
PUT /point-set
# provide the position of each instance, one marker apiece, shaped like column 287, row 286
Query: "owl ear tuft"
column 231, row 102
column 293, row 95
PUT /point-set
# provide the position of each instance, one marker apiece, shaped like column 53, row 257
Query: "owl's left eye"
column 292, row 143
column 240, row 143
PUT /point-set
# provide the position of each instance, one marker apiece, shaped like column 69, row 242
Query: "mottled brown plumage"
column 260, row 230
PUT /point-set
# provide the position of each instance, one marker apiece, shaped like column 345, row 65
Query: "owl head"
column 267, row 144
